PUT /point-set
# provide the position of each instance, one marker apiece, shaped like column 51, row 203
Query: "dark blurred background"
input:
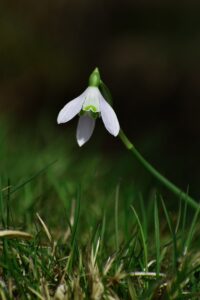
column 148, row 53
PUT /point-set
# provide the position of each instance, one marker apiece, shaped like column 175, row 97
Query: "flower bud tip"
column 94, row 79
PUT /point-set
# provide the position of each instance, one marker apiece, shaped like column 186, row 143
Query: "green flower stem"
column 168, row 184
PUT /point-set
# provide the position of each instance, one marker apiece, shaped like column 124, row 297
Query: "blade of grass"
column 144, row 215
column 157, row 237
column 102, row 233
column 16, row 188
column 8, row 205
column 144, row 244
column 183, row 227
column 131, row 289
column 70, row 221
column 76, row 216
column 116, row 218
column 179, row 216
column 183, row 217
column 191, row 232
column 74, row 247
column 44, row 226
column 2, row 208
column 2, row 294
column 15, row 234
column 35, row 293
column 173, row 234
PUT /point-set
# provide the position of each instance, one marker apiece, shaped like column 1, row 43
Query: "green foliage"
column 70, row 229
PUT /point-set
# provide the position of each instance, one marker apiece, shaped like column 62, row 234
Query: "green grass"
column 79, row 224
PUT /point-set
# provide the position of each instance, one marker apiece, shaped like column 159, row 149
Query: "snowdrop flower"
column 90, row 105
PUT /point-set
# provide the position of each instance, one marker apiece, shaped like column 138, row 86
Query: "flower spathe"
column 89, row 105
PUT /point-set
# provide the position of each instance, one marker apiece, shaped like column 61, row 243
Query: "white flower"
column 90, row 104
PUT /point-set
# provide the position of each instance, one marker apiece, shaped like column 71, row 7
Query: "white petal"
column 109, row 117
column 92, row 97
column 85, row 129
column 71, row 109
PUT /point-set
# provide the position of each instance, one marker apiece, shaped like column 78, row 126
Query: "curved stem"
column 167, row 183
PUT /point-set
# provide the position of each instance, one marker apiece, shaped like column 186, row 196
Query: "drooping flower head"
column 90, row 105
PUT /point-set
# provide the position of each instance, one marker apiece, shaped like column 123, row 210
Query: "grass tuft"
column 69, row 230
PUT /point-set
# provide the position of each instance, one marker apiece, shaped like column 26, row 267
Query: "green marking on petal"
column 82, row 112
column 93, row 115
column 90, row 108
